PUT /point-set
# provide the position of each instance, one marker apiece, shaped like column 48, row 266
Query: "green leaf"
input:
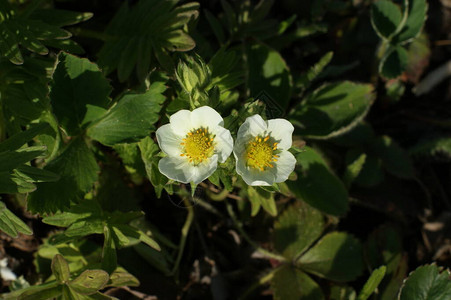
column 342, row 292
column 418, row 57
column 79, row 93
column 122, row 279
column 416, row 16
column 354, row 168
column 69, row 294
column 11, row 224
column 60, row 17
column 393, row 63
column 438, row 148
column 371, row 173
column 89, row 282
column 78, row 169
column 226, row 72
column 427, row 282
column 60, row 268
column 132, row 232
column 149, row 151
column 38, row 292
column 332, row 109
column 131, row 119
column 296, row 229
column 16, row 141
column 372, row 283
column 216, row 26
column 31, row 174
column 29, row 31
column 9, row 46
column 307, row 79
column 337, row 256
column 85, row 227
column 361, row 134
column 109, row 255
column 384, row 247
column 65, row 45
column 13, row 159
column 385, row 18
column 263, row 198
column 119, row 238
column 148, row 29
column 290, row 283
column 269, row 77
column 394, row 159
column 317, row 185
column 84, row 210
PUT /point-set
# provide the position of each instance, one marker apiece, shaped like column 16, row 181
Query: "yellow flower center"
column 260, row 153
column 198, row 145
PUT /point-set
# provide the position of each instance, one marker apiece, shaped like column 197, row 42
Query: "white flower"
column 5, row 272
column 194, row 142
column 261, row 151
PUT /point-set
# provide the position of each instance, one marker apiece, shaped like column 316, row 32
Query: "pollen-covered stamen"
column 198, row 145
column 261, row 153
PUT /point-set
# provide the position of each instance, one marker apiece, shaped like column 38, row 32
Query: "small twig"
column 218, row 191
column 210, row 208
column 239, row 226
column 443, row 43
column 137, row 294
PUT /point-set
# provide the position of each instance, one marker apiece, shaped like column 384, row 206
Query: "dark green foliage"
column 143, row 33
column 79, row 93
column 427, row 282
column 396, row 27
column 79, row 150
column 317, row 185
column 33, row 30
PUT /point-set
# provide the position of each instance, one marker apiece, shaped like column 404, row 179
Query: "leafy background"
column 85, row 213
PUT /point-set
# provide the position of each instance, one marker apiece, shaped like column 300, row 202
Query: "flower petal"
column 204, row 170
column 224, row 143
column 253, row 126
column 181, row 122
column 7, row 275
column 205, row 116
column 281, row 130
column 253, row 176
column 176, row 168
column 169, row 141
column 284, row 165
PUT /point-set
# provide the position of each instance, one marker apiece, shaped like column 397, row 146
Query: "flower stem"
column 185, row 230
column 267, row 277
column 239, row 226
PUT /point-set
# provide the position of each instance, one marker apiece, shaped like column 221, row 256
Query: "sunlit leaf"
column 317, row 185
column 269, row 76
column 337, row 256
column 290, row 283
column 78, row 170
column 427, row 282
column 79, row 93
column 131, row 119
column 149, row 28
column 296, row 229
column 385, row 18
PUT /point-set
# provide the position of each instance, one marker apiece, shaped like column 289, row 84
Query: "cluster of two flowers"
column 196, row 141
